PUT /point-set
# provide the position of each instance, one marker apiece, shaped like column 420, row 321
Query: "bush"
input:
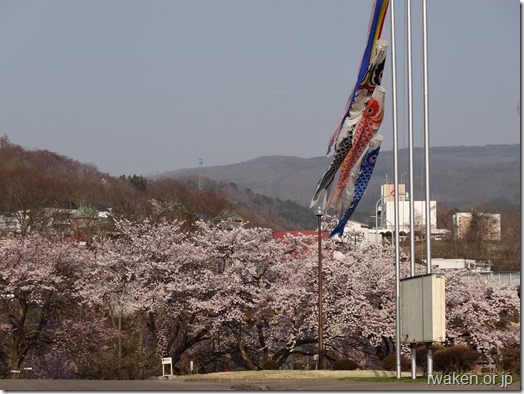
column 389, row 363
column 455, row 358
column 270, row 365
column 511, row 360
column 345, row 364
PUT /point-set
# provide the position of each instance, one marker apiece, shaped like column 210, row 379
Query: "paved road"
column 282, row 385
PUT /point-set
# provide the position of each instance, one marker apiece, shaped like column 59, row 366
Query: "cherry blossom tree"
column 136, row 266
column 188, row 287
column 481, row 313
column 232, row 290
column 359, row 305
column 358, row 300
column 219, row 294
column 241, row 263
column 42, row 285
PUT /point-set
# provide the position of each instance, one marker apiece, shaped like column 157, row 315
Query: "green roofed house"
column 230, row 217
column 84, row 218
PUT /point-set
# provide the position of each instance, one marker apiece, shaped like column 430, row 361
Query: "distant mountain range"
column 460, row 176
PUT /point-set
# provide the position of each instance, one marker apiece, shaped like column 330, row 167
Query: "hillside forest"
column 33, row 181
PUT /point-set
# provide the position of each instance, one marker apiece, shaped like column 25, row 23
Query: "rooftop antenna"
column 200, row 177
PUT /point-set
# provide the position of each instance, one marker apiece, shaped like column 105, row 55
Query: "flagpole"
column 426, row 151
column 395, row 171
column 410, row 137
column 411, row 176
column 426, row 135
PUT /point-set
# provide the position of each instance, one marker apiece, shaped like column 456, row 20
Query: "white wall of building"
column 419, row 208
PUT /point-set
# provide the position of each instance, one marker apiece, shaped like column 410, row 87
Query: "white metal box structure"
column 423, row 309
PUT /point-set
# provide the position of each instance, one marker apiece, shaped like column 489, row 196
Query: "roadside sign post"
column 167, row 363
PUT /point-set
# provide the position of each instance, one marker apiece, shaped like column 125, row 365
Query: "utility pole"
column 320, row 317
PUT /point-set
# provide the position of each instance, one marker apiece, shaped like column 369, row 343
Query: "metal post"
column 411, row 172
column 426, row 140
column 413, row 361
column 320, row 319
column 411, row 144
column 120, row 341
column 376, row 220
column 430, row 358
column 376, row 217
column 395, row 165
column 426, row 150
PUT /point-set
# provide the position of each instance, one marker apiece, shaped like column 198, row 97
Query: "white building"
column 469, row 264
column 385, row 218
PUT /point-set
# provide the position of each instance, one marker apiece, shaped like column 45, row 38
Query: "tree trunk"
column 15, row 365
column 246, row 357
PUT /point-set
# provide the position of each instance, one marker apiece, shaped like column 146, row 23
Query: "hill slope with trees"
column 34, row 180
column 461, row 176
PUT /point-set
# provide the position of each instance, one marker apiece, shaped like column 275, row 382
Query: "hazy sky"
column 150, row 86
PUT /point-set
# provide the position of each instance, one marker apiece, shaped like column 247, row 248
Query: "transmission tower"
column 200, row 177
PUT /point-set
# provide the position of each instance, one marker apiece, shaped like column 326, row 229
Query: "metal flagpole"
column 395, row 170
column 426, row 136
column 426, row 150
column 411, row 176
column 410, row 135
